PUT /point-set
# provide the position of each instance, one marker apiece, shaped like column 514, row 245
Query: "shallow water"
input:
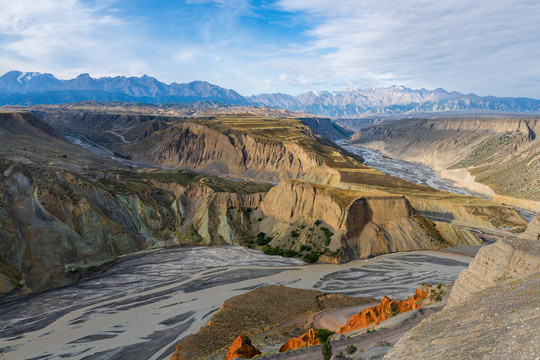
column 409, row 171
column 144, row 305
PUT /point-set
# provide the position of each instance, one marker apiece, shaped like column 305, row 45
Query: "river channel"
column 142, row 306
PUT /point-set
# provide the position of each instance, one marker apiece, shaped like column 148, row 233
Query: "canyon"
column 498, row 157
column 143, row 231
column 326, row 201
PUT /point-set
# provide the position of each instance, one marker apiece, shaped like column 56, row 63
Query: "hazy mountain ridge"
column 18, row 88
column 33, row 88
column 394, row 100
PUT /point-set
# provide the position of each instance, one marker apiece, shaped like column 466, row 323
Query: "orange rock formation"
column 384, row 310
column 241, row 347
column 308, row 339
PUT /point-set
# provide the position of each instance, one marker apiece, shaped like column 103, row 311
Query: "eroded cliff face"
column 357, row 225
column 380, row 225
column 491, row 156
column 232, row 153
column 58, row 225
column 501, row 262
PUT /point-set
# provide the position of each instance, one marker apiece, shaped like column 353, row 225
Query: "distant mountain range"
column 17, row 88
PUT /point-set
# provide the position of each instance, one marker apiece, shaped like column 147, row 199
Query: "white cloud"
column 64, row 35
column 459, row 44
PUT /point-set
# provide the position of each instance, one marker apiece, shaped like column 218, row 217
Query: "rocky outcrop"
column 308, row 339
column 492, row 311
column 260, row 311
column 382, row 311
column 533, row 229
column 242, row 348
column 379, row 225
column 503, row 261
column 66, row 213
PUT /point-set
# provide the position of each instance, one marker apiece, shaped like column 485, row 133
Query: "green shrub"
column 327, row 235
column 323, row 334
column 351, row 349
column 394, row 308
column 311, row 257
column 262, row 239
column 327, row 350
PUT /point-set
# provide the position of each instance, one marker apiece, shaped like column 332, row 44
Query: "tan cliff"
column 533, row 229
column 94, row 209
column 362, row 225
column 503, row 261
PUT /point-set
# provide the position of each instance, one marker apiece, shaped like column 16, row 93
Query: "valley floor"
column 144, row 305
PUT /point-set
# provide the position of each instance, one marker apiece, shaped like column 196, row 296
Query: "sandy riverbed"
column 141, row 307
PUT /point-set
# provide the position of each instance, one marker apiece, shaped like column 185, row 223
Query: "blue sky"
column 489, row 47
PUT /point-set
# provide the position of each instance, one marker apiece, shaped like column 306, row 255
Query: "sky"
column 489, row 47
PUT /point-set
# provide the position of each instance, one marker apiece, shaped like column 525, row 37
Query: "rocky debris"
column 497, row 322
column 506, row 259
column 533, row 229
column 308, row 339
column 242, row 348
column 384, row 310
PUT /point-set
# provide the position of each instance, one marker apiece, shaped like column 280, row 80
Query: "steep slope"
column 337, row 209
column 492, row 156
column 354, row 224
column 503, row 261
column 277, row 149
column 241, row 146
column 492, row 312
column 65, row 212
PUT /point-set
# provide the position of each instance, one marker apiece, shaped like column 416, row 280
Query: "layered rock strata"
column 498, row 157
column 382, row 311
